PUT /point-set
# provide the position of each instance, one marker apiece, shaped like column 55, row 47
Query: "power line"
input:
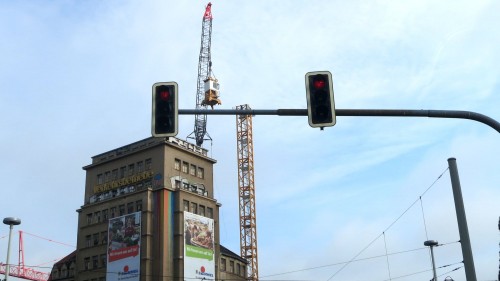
column 344, row 262
column 50, row 240
column 369, row 244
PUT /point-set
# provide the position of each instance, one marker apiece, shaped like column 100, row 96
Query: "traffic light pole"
column 457, row 114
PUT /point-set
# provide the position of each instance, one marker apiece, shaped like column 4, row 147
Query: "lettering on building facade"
column 123, row 182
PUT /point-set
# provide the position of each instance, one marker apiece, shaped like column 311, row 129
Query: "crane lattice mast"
column 22, row 271
column 246, row 191
column 207, row 90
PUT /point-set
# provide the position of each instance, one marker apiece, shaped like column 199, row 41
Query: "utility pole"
column 470, row 271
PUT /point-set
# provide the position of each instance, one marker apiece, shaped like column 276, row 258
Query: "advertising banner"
column 199, row 251
column 124, row 248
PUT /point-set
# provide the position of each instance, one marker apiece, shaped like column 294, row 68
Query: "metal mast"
column 207, row 87
column 246, row 190
column 22, row 271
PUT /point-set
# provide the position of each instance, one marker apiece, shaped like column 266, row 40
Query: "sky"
column 76, row 77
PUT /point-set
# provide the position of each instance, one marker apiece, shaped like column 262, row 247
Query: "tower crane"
column 207, row 90
column 22, row 271
column 246, row 192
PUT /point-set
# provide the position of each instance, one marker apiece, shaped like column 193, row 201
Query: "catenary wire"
column 387, row 258
column 373, row 241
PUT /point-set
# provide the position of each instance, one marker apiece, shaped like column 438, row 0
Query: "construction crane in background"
column 207, row 91
column 21, row 271
column 246, row 191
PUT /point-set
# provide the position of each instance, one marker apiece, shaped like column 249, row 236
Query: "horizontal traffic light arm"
column 458, row 114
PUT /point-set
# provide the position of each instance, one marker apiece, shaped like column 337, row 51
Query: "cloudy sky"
column 75, row 81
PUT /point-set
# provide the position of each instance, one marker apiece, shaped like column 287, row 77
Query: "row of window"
column 187, row 168
column 96, row 239
column 94, row 262
column 239, row 269
column 124, row 171
column 64, row 272
column 104, row 215
column 199, row 209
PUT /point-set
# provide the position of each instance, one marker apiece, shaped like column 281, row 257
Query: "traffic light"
column 320, row 104
column 165, row 109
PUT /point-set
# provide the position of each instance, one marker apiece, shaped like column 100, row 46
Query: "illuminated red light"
column 319, row 83
column 164, row 95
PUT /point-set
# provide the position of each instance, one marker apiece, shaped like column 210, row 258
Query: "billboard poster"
column 199, row 251
column 124, row 247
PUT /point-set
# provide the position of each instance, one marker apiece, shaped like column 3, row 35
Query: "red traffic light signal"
column 320, row 103
column 164, row 121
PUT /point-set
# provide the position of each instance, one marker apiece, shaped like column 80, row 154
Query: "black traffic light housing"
column 320, row 103
column 164, row 121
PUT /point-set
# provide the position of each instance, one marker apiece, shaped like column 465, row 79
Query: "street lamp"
column 448, row 278
column 11, row 222
column 431, row 244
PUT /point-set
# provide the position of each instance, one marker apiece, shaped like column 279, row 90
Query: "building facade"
column 149, row 213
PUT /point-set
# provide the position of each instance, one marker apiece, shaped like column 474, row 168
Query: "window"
column 121, row 210
column 148, row 164
column 185, row 167
column 89, row 218
column 113, row 212
column 95, row 262
column 130, row 169
column 177, row 164
column 107, row 176
column 105, row 215
column 243, row 270
column 86, row 263
column 231, row 266
column 192, row 170
column 130, row 208
column 114, row 174
column 202, row 210
column 237, row 269
column 200, row 173
column 140, row 166
column 71, row 272
column 95, row 238
column 64, row 271
column 88, row 241
column 193, row 207
column 138, row 205
column 104, row 237
column 97, row 216
column 55, row 274
column 222, row 264
column 122, row 171
column 210, row 212
column 103, row 260
column 186, row 205
column 100, row 179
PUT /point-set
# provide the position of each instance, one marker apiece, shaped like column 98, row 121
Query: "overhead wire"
column 387, row 258
column 344, row 262
column 396, row 220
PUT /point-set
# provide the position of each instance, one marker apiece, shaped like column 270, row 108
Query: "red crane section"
column 21, row 271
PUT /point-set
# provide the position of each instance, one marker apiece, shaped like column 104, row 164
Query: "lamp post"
column 11, row 222
column 431, row 244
